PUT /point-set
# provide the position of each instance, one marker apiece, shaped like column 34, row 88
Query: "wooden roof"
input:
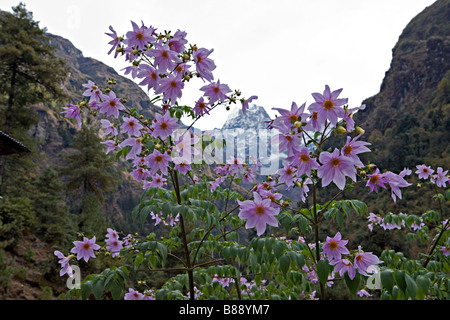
column 9, row 145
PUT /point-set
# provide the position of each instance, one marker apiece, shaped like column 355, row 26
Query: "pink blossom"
column 246, row 102
column 114, row 245
column 177, row 42
column 171, row 87
column 73, row 111
column 182, row 165
column 376, row 180
column 352, row 148
column 328, row 106
column 150, row 76
column 131, row 126
column 258, row 212
column 133, row 295
column 395, row 182
column 111, row 105
column 64, row 262
column 164, row 125
column 364, row 260
column 110, row 144
column 334, row 247
column 289, row 117
column 424, row 171
column 216, row 91
column 203, row 64
column 85, row 249
column 440, row 178
column 140, row 36
column 158, row 161
column 114, row 42
column 201, row 107
column 136, row 147
column 109, row 127
column 286, row 174
column 344, row 266
column 303, row 162
column 335, row 168
column 165, row 58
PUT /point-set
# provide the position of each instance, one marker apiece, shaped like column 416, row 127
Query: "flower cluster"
column 335, row 248
column 440, row 179
column 169, row 221
column 87, row 248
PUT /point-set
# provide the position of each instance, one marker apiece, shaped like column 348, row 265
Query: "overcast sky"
column 281, row 50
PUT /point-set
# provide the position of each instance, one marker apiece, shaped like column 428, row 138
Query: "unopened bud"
column 419, row 186
column 158, row 146
column 372, row 167
column 362, row 174
column 341, row 130
column 298, row 184
column 359, row 130
column 298, row 124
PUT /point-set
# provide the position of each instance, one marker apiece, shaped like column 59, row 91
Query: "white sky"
column 279, row 50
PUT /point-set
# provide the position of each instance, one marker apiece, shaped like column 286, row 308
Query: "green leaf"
column 411, row 286
column 399, row 276
column 98, row 288
column 278, row 248
column 387, row 279
column 423, row 284
column 352, row 284
column 116, row 290
column 323, row 269
column 285, row 261
column 86, row 288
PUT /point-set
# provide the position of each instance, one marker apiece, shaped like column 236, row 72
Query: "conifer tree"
column 29, row 73
column 89, row 175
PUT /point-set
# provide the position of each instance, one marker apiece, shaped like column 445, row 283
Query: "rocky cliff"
column 404, row 119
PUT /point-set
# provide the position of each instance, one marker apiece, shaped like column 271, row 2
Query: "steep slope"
column 408, row 120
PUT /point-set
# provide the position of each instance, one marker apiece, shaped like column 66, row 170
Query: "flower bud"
column 362, row 174
column 372, row 167
column 298, row 124
column 341, row 130
column 419, row 186
column 359, row 130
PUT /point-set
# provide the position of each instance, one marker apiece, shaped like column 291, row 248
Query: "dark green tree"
column 29, row 73
column 54, row 223
column 89, row 175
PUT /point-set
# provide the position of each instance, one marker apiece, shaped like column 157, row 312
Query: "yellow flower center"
column 139, row 36
column 304, row 157
column 259, row 210
column 335, row 162
column 333, row 245
column 328, row 104
column 347, row 150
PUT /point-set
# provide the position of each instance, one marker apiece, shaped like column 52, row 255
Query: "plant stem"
column 436, row 241
column 190, row 272
column 316, row 236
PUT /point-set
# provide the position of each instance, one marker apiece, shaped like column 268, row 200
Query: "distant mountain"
column 249, row 136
